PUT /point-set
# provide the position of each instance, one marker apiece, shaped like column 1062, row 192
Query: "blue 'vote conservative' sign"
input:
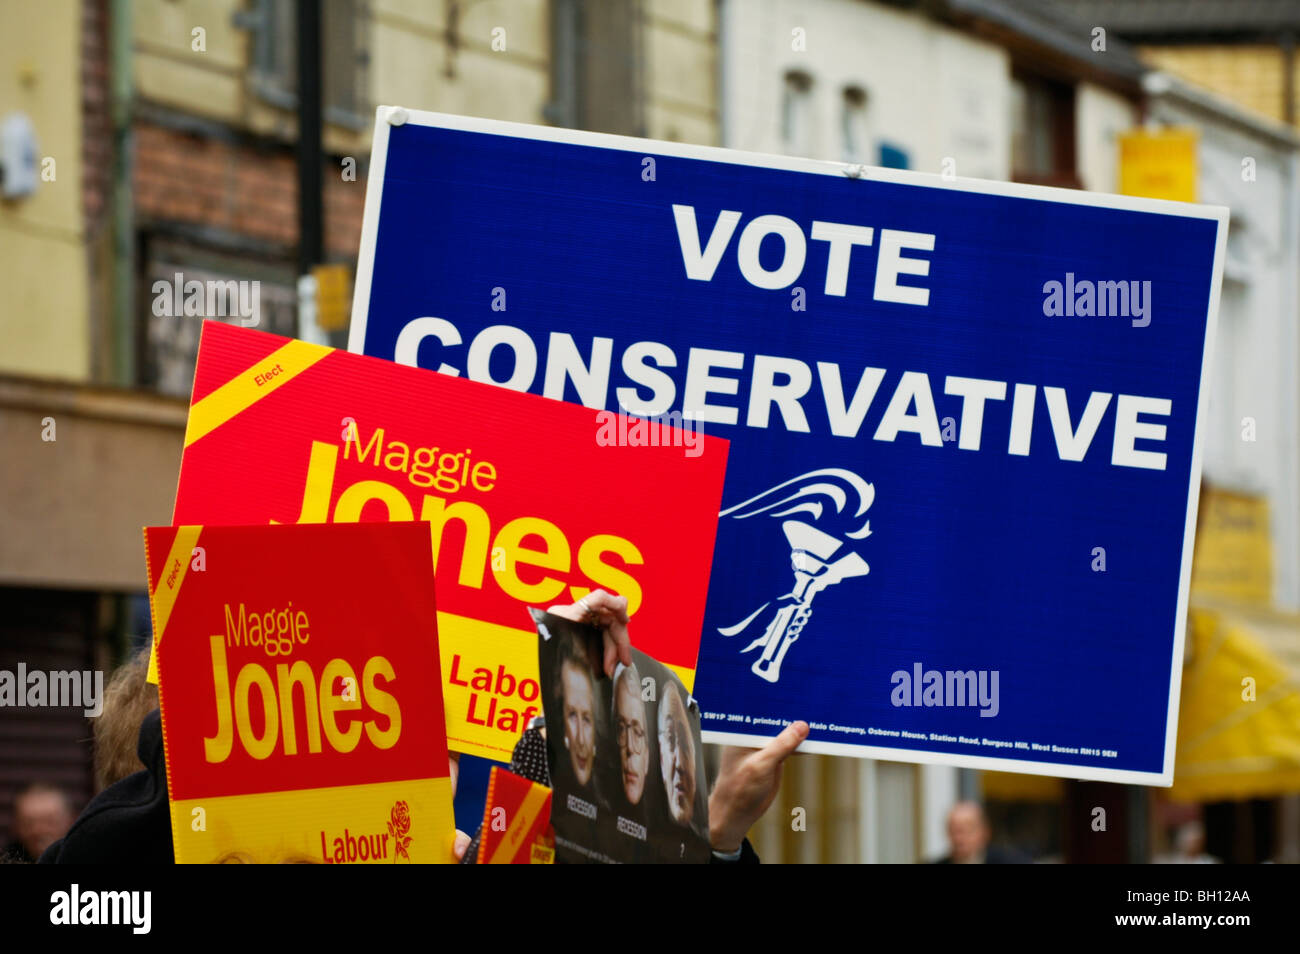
column 964, row 416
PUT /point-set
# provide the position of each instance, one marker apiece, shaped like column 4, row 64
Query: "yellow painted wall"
column 167, row 68
column 43, row 323
column 415, row 64
column 75, row 504
column 410, row 60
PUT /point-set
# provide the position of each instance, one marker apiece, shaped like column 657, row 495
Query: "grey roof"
column 1154, row 19
column 1053, row 25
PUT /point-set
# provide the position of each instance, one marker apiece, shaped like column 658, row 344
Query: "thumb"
column 461, row 845
column 783, row 746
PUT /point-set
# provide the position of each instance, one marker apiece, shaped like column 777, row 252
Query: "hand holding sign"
column 625, row 762
column 748, row 780
column 460, row 846
column 609, row 612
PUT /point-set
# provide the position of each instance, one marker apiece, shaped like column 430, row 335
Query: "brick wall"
column 241, row 188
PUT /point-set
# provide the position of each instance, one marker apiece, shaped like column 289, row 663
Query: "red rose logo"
column 399, row 823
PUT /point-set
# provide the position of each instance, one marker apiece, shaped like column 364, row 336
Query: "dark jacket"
column 128, row 822
column 15, row 854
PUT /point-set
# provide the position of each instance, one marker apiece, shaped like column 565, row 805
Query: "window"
column 796, row 113
column 853, row 125
column 1042, row 131
column 596, row 66
column 344, row 57
column 168, row 339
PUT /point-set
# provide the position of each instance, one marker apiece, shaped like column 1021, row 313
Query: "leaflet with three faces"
column 301, row 693
column 627, row 766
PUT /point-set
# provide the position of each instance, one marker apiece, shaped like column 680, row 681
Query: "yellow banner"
column 381, row 823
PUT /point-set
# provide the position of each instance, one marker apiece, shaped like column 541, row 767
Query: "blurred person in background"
column 129, row 821
column 968, row 838
column 42, row 815
column 1189, row 847
column 129, row 817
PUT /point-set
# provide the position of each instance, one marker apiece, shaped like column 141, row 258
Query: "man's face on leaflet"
column 633, row 747
column 677, row 756
column 579, row 721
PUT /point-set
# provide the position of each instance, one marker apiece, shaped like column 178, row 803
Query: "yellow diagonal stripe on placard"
column 250, row 386
column 523, row 820
column 163, row 597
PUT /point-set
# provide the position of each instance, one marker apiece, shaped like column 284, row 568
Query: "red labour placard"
column 297, row 717
column 529, row 501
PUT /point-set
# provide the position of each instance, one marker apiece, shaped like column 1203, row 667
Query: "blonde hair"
column 128, row 698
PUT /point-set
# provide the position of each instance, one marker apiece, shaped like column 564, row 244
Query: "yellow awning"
column 1239, row 716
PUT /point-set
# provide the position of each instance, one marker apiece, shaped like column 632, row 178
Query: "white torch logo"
column 819, row 501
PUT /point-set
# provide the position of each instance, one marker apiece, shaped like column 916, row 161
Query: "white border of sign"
column 397, row 116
